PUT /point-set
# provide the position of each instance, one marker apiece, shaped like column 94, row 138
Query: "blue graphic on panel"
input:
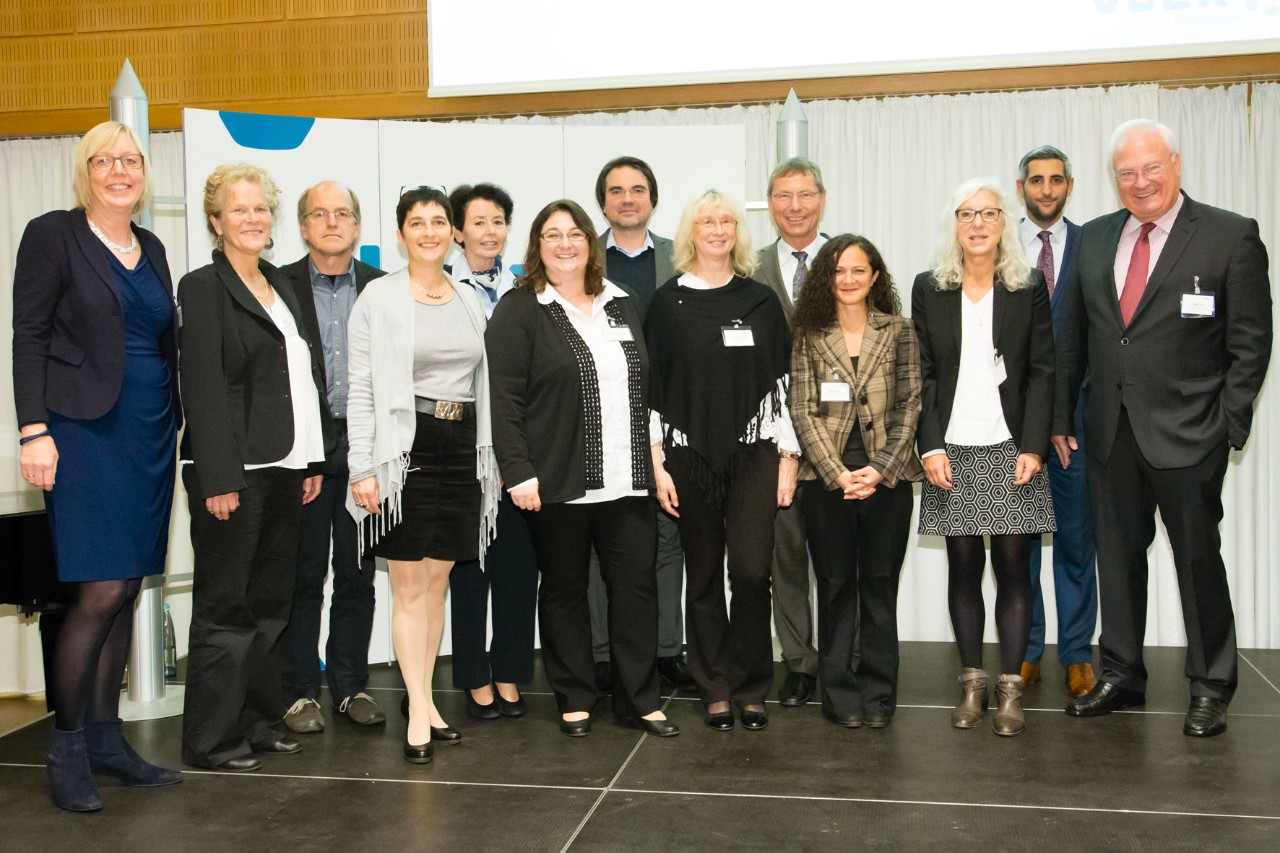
column 371, row 255
column 266, row 133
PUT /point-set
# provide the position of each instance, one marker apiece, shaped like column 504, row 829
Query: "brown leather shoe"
column 1080, row 678
column 1030, row 673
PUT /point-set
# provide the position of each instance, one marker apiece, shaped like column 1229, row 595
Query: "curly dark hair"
column 816, row 307
column 535, row 274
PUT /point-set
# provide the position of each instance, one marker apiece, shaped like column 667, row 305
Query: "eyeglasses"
column 104, row 162
column 727, row 222
column 575, row 236
column 990, row 214
column 805, row 197
column 619, row 192
column 1151, row 171
column 321, row 215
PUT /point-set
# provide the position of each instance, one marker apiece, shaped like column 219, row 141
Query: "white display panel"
column 297, row 153
column 587, row 45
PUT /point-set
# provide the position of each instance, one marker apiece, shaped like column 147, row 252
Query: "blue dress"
column 109, row 507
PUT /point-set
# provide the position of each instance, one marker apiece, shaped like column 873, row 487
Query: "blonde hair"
column 1011, row 263
column 99, row 138
column 215, row 192
column 743, row 258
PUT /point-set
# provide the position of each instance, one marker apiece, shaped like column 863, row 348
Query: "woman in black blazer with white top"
column 986, row 363
column 255, row 442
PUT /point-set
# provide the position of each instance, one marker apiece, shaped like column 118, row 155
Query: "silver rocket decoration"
column 793, row 129
column 128, row 103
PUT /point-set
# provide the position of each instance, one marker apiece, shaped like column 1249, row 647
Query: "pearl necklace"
column 427, row 294
column 110, row 244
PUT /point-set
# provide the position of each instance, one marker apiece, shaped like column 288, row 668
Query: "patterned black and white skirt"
column 983, row 499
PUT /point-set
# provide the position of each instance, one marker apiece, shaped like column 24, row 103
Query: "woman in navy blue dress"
column 94, row 358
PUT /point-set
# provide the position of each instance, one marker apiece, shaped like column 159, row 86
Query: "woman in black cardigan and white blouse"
column 572, row 433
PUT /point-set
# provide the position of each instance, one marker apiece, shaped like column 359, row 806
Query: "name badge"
column 1200, row 304
column 618, row 331
column 835, row 392
column 998, row 371
column 737, row 336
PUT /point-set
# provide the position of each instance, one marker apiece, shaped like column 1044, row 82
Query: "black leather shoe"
column 849, row 721
column 576, row 728
column 1206, row 717
column 675, row 671
column 445, row 736
column 797, row 689
column 720, row 722
column 284, row 746
column 876, row 721
column 404, row 706
column 604, row 677
column 657, row 728
column 1104, row 698
column 476, row 711
column 418, row 754
column 248, row 764
column 511, row 709
column 754, row 720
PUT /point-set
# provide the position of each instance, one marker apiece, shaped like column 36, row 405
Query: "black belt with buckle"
column 444, row 409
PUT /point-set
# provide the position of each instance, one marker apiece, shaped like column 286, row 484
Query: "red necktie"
column 1135, row 280
column 1044, row 263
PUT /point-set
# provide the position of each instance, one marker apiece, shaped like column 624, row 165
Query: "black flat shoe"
column 445, row 736
column 877, row 721
column 1206, row 717
column 576, row 728
column 849, row 721
column 248, row 764
column 418, row 754
column 511, row 709
column 476, row 711
column 657, row 728
column 283, row 746
column 720, row 722
column 754, row 720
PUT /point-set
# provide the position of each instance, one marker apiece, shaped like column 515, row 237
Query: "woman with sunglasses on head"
column 986, row 361
column 573, row 434
column 95, row 344
column 423, row 477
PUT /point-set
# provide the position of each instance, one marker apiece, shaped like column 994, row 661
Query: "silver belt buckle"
column 448, row 411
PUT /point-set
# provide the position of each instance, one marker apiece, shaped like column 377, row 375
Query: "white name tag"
column 618, row 333
column 737, row 336
column 1000, row 373
column 835, row 392
column 1198, row 304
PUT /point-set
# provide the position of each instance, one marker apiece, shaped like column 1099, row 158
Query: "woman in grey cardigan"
column 423, row 477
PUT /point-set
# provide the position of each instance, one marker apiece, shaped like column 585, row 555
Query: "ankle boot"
column 1009, row 720
column 111, row 755
column 69, row 776
column 973, row 701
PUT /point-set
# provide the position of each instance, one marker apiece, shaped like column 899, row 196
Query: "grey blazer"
column 768, row 272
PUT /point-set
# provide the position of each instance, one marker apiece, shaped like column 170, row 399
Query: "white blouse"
column 977, row 419
column 308, row 437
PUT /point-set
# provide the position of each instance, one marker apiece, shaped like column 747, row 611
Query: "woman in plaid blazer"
column 855, row 400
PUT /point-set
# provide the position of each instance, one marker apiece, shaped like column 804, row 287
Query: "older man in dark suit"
column 326, row 283
column 1170, row 329
column 1052, row 241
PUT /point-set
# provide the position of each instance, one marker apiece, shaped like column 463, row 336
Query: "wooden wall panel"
column 368, row 59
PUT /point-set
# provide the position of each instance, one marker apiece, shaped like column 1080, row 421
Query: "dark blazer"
column 68, row 330
column 297, row 275
column 884, row 399
column 1188, row 384
column 1022, row 333
column 663, row 257
column 235, row 373
column 536, row 396
column 768, row 272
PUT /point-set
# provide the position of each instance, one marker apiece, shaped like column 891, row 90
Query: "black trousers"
column 730, row 648
column 858, row 548
column 511, row 572
column 240, row 600
column 1126, row 492
column 325, row 520
column 624, row 534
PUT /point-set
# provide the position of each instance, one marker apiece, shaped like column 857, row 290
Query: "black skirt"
column 440, row 506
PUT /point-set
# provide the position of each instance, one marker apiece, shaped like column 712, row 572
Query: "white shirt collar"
column 611, row 291
column 1031, row 231
column 810, row 250
column 1164, row 223
column 610, row 243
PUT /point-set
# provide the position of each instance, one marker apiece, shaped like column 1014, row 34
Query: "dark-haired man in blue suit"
column 1051, row 241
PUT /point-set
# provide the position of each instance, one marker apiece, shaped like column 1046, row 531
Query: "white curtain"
column 889, row 165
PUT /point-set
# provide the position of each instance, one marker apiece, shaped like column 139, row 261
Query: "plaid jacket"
column 885, row 399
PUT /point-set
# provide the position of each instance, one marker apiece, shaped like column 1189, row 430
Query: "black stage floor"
column 1130, row 781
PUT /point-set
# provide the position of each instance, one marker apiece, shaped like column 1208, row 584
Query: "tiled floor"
column 1130, row 781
